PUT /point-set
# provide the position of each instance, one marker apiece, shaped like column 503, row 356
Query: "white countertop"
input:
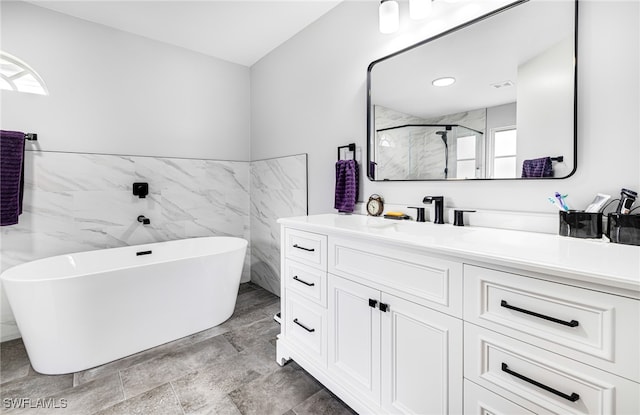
column 591, row 260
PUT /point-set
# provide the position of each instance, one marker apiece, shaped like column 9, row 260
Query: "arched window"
column 16, row 75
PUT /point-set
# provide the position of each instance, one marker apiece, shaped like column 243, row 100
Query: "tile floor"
column 228, row 369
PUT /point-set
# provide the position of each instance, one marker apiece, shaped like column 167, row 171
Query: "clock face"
column 375, row 205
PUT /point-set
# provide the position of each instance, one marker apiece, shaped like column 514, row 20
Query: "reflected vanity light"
column 446, row 81
column 419, row 9
column 389, row 16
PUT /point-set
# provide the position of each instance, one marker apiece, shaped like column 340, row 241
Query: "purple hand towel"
column 11, row 176
column 537, row 167
column 346, row 185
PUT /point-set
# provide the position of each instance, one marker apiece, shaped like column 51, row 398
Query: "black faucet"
column 439, row 202
column 143, row 220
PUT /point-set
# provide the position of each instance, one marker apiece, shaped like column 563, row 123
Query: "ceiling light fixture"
column 389, row 16
column 419, row 9
column 446, row 81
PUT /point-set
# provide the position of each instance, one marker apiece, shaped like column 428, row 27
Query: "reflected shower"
column 443, row 136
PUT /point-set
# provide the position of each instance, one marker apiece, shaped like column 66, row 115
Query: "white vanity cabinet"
column 396, row 322
column 396, row 354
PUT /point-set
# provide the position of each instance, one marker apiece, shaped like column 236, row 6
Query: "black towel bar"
column 351, row 147
column 31, row 137
column 559, row 159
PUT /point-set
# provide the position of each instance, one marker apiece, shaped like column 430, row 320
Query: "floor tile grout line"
column 124, row 397
column 177, row 397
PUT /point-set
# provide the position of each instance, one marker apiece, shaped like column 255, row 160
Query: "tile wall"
column 278, row 189
column 79, row 202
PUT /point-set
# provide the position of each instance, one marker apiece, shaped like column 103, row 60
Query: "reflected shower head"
column 443, row 135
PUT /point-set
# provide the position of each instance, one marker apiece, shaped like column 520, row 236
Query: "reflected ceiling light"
column 419, row 9
column 389, row 16
column 446, row 81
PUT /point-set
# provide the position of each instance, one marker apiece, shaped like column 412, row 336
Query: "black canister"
column 623, row 229
column 580, row 224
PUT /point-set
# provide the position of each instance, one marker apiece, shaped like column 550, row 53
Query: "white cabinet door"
column 354, row 337
column 421, row 359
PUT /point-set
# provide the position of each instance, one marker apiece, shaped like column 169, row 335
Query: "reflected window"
column 16, row 75
column 504, row 153
column 466, row 157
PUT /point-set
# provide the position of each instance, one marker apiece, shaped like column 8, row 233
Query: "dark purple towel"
column 11, row 176
column 537, row 167
column 346, row 185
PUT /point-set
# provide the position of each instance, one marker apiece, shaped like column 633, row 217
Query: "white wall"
column 309, row 96
column 545, row 91
column 117, row 93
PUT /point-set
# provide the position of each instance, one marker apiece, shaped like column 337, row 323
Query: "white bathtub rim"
column 8, row 276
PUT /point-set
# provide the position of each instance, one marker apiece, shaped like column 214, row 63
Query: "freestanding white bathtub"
column 82, row 310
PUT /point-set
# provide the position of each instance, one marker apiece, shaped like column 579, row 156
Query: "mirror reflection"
column 507, row 109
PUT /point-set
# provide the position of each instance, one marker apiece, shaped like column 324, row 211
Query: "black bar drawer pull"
column 143, row 253
column 295, row 320
column 308, row 284
column 303, row 248
column 573, row 397
column 572, row 323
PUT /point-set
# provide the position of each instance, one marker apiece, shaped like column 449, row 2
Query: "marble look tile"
column 159, row 401
column 275, row 393
column 278, row 189
column 323, row 403
column 14, row 362
column 50, row 171
column 82, row 202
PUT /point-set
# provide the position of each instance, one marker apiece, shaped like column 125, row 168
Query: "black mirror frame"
column 370, row 120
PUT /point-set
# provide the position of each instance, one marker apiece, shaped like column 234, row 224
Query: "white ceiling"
column 239, row 31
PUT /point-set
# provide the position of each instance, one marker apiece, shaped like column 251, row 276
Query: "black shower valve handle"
column 458, row 218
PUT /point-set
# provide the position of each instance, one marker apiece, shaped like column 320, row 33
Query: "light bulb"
column 389, row 16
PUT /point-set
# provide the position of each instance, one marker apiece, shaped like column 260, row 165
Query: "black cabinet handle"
column 295, row 320
column 373, row 303
column 573, row 397
column 572, row 323
column 383, row 307
column 143, row 253
column 308, row 284
column 303, row 248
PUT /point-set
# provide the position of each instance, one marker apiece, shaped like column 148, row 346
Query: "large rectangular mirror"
column 509, row 114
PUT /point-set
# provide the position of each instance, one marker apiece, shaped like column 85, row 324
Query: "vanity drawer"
column 306, row 247
column 306, row 326
column 596, row 328
column 433, row 282
column 480, row 401
column 530, row 376
column 309, row 282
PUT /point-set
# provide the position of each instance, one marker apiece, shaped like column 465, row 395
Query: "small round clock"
column 375, row 205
